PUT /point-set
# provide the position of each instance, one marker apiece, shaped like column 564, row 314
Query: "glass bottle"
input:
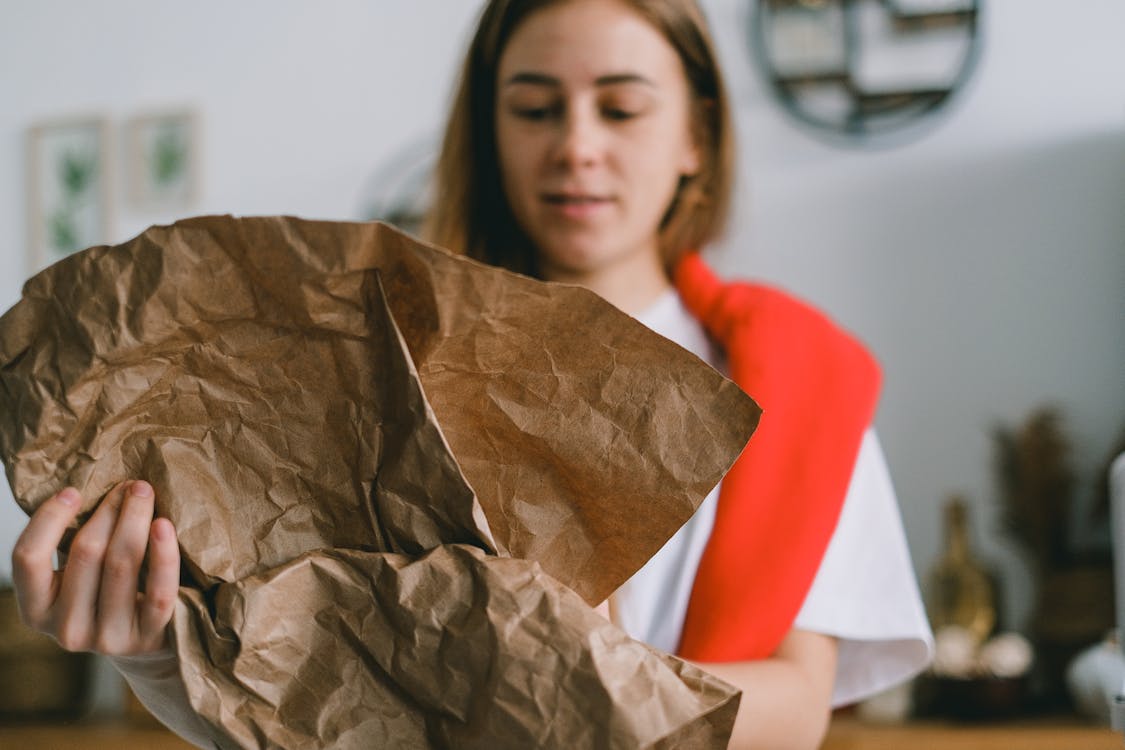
column 960, row 589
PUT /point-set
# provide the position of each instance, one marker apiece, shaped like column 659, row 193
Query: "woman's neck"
column 629, row 286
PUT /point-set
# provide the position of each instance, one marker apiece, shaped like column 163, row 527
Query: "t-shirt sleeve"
column 155, row 680
column 865, row 592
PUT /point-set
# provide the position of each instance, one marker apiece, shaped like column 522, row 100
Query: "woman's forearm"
column 786, row 699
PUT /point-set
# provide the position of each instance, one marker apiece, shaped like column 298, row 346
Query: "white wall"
column 984, row 263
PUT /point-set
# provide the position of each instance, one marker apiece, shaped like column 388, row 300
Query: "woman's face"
column 593, row 131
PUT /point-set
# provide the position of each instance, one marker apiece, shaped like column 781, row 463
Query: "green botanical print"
column 169, row 155
column 77, row 172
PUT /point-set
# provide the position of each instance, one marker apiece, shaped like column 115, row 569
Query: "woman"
column 589, row 143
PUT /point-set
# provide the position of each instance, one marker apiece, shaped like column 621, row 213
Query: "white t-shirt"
column 864, row 593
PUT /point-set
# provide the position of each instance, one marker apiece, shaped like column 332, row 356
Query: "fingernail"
column 141, row 489
column 69, row 496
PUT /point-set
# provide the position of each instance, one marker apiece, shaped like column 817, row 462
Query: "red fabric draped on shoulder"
column 779, row 504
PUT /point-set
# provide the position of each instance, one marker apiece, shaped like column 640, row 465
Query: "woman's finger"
column 120, row 571
column 33, row 572
column 161, row 585
column 74, row 610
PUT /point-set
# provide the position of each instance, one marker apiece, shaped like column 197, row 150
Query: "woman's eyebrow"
column 539, row 79
column 543, row 79
column 615, row 78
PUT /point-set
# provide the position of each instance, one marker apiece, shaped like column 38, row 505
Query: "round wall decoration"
column 857, row 70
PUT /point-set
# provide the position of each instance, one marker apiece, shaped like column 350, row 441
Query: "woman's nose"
column 581, row 140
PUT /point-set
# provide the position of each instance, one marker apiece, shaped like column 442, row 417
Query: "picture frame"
column 163, row 160
column 68, row 188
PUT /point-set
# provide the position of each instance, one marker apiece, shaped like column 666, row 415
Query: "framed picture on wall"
column 163, row 159
column 68, row 188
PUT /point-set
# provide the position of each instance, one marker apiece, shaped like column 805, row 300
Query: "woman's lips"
column 577, row 205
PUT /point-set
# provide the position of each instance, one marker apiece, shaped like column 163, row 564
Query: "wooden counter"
column 849, row 733
column 88, row 736
column 846, row 734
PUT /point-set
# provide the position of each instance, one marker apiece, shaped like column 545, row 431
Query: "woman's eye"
column 534, row 114
column 616, row 113
column 622, row 106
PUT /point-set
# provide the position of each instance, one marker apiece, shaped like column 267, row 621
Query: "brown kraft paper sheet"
column 399, row 479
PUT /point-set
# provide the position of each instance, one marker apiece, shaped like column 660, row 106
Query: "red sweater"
column 779, row 504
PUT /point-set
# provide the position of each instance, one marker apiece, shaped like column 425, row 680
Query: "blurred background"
column 980, row 253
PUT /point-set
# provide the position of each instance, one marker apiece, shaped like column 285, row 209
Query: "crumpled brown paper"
column 396, row 475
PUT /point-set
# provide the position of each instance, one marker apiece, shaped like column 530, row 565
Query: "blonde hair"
column 470, row 213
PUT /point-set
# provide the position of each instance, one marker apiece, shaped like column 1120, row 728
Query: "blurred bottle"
column 960, row 590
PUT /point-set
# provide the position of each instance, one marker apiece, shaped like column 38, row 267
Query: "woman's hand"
column 95, row 602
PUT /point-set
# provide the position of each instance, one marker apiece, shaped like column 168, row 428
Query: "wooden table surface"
column 846, row 734
column 89, row 736
column 849, row 733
